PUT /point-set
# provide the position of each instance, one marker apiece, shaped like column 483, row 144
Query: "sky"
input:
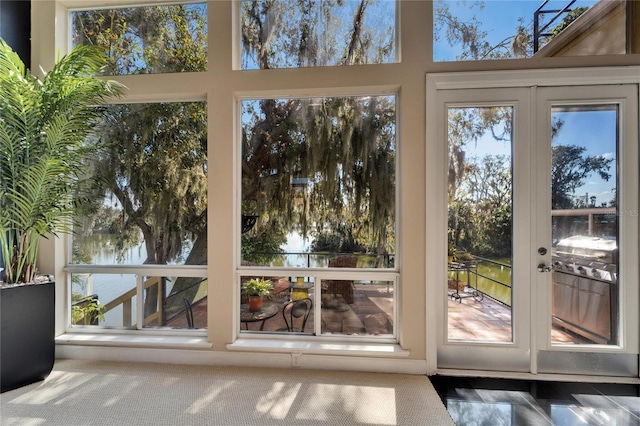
column 500, row 17
column 594, row 130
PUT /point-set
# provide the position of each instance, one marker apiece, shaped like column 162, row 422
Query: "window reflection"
column 584, row 202
column 294, row 34
column 486, row 30
column 146, row 39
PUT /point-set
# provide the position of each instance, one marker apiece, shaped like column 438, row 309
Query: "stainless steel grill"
column 585, row 287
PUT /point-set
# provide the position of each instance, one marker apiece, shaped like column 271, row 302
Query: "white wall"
column 220, row 85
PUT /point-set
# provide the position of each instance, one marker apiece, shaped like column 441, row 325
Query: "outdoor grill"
column 585, row 287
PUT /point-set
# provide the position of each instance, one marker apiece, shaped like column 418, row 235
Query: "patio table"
column 469, row 291
column 268, row 310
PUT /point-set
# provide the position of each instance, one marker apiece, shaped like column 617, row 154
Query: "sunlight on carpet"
column 81, row 392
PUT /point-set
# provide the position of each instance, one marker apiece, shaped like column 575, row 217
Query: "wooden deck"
column 372, row 314
column 490, row 321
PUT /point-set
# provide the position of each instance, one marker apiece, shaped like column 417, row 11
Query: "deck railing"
column 148, row 277
column 476, row 280
column 126, row 300
column 321, row 259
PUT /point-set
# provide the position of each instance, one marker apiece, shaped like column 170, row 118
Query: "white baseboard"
column 241, row 359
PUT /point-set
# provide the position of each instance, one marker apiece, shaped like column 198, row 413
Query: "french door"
column 542, row 226
column 585, row 232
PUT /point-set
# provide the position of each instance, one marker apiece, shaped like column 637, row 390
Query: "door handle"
column 544, row 268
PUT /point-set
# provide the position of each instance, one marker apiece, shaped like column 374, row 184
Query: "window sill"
column 386, row 350
column 383, row 350
column 139, row 341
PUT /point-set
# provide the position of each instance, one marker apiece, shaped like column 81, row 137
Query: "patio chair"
column 297, row 310
column 343, row 288
column 188, row 311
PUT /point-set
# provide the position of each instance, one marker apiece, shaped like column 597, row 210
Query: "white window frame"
column 381, row 274
column 168, row 91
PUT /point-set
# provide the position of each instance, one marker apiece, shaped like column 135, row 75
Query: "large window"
column 142, row 230
column 148, row 196
column 362, row 306
column 293, row 33
column 134, row 300
column 318, row 181
column 146, row 205
column 318, row 191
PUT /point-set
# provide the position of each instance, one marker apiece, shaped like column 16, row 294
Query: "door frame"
column 516, row 354
column 436, row 220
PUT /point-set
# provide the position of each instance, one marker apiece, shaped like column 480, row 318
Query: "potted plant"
column 450, row 252
column 86, row 310
column 43, row 128
column 256, row 288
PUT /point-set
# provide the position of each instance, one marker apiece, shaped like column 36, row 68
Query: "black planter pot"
column 27, row 332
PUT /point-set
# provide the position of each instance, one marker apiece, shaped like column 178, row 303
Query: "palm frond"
column 43, row 129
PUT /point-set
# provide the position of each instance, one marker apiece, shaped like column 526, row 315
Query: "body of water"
column 493, row 272
column 498, row 273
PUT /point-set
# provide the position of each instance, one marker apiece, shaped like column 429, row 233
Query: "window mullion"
column 139, row 302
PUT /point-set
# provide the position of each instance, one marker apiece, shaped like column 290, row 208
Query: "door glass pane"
column 584, row 224
column 480, row 224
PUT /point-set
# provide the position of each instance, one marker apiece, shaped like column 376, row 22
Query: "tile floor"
column 493, row 402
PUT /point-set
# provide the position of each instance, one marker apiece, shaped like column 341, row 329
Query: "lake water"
column 498, row 273
column 488, row 286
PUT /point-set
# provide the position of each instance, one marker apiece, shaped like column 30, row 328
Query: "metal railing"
column 478, row 275
column 538, row 31
column 387, row 259
column 493, row 262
